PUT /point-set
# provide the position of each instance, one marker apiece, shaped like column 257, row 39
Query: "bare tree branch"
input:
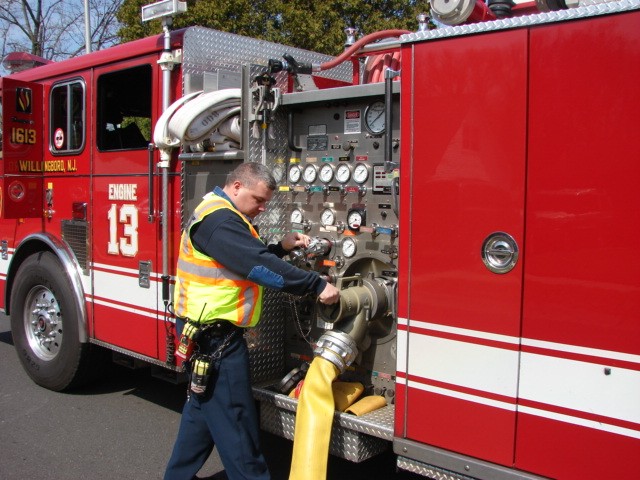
column 54, row 29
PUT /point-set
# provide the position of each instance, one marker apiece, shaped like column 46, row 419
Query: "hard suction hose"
column 358, row 305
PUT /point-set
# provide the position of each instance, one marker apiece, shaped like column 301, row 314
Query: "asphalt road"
column 121, row 427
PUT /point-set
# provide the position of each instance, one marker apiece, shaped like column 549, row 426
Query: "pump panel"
column 337, row 187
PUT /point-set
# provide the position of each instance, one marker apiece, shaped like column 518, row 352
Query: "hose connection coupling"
column 338, row 348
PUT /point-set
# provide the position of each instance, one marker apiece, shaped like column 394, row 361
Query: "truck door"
column 22, row 149
column 462, row 194
column 125, row 242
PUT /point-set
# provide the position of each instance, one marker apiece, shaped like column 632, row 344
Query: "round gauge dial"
column 278, row 172
column 354, row 220
column 327, row 217
column 343, row 173
column 349, row 247
column 310, row 173
column 374, row 118
column 295, row 173
column 296, row 216
column 326, row 173
column 360, row 173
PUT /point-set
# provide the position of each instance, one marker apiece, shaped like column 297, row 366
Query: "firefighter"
column 222, row 269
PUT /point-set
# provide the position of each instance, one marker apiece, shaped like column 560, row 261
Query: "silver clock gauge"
column 360, row 173
column 278, row 172
column 349, row 247
column 310, row 173
column 296, row 216
column 326, row 173
column 343, row 174
column 327, row 217
column 295, row 173
column 374, row 118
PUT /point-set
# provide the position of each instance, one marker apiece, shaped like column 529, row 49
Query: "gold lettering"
column 54, row 166
column 30, row 166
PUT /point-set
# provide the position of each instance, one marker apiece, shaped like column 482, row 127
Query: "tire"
column 44, row 324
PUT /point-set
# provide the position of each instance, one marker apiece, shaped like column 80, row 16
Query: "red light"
column 79, row 211
column 18, row 61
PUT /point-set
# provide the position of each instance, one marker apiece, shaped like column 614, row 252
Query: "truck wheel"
column 44, row 324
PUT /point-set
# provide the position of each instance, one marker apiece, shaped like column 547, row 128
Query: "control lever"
column 318, row 247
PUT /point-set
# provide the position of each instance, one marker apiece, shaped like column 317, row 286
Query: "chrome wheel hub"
column 43, row 323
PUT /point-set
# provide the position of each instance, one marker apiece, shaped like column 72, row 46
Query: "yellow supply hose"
column 346, row 393
column 314, row 419
column 367, row 404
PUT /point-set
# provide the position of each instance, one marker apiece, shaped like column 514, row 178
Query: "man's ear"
column 236, row 187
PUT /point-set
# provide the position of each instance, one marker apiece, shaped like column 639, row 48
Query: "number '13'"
column 127, row 244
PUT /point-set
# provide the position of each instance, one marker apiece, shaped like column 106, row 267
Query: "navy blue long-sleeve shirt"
column 225, row 237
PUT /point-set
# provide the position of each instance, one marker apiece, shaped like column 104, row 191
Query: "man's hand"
column 295, row 239
column 329, row 295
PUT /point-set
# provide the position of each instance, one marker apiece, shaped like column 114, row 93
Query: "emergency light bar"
column 165, row 8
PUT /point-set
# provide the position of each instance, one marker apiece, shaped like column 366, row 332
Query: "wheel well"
column 43, row 242
column 24, row 251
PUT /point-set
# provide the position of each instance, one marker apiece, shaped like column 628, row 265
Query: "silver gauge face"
column 374, row 118
column 343, row 173
column 296, row 216
column 295, row 173
column 354, row 220
column 310, row 173
column 326, row 173
column 327, row 217
column 349, row 247
column 278, row 172
column 360, row 173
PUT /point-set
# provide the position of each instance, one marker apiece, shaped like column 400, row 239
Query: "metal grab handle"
column 151, row 217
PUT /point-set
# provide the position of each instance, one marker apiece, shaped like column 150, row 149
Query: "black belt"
column 217, row 328
column 221, row 328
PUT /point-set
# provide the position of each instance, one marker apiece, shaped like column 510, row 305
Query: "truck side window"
column 124, row 109
column 67, row 114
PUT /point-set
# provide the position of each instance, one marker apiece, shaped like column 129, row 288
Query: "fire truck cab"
column 472, row 189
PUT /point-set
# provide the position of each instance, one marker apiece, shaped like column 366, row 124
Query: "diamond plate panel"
column 591, row 8
column 345, row 443
column 206, row 50
column 222, row 54
column 428, row 471
column 352, row 438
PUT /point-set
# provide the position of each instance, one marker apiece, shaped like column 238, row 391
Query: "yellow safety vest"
column 206, row 290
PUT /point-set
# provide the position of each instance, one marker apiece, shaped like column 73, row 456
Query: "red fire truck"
column 472, row 189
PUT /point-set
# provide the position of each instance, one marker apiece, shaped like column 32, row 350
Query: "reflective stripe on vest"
column 206, row 290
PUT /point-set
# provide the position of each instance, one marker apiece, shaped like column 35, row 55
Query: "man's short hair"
column 251, row 173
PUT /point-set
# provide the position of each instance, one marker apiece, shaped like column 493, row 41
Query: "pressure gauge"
column 348, row 247
column 295, row 173
column 326, row 173
column 327, row 217
column 296, row 216
column 343, row 173
column 360, row 173
column 310, row 173
column 278, row 172
column 374, row 118
column 355, row 219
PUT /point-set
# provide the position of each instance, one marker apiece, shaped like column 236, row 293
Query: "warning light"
column 19, row 61
column 166, row 8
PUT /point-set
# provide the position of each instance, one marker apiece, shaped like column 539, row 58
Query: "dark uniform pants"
column 226, row 417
